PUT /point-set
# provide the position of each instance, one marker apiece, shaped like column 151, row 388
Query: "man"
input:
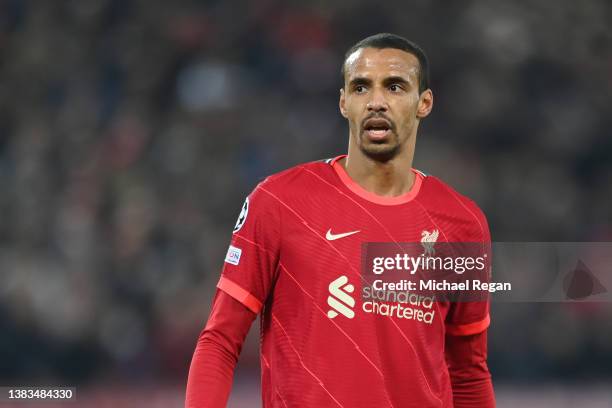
column 295, row 257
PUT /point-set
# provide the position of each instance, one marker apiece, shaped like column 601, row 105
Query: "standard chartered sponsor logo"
column 396, row 304
column 339, row 300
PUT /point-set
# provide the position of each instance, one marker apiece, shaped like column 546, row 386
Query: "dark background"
column 132, row 130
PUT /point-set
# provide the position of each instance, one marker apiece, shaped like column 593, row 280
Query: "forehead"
column 366, row 62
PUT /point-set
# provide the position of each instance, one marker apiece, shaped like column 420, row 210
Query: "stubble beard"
column 380, row 152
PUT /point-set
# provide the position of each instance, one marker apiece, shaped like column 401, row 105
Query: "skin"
column 382, row 83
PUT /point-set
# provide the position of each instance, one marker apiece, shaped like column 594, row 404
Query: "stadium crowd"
column 131, row 130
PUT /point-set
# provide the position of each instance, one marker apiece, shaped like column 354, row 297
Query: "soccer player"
column 295, row 257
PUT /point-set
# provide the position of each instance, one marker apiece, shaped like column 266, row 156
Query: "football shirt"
column 295, row 256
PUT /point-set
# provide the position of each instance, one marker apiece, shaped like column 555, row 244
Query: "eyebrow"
column 396, row 80
column 389, row 80
column 359, row 81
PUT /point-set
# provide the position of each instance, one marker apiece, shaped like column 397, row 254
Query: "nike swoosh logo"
column 333, row 237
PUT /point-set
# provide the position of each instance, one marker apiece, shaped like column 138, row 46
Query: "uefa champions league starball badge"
column 243, row 215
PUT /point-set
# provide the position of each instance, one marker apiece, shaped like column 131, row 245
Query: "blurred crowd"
column 132, row 130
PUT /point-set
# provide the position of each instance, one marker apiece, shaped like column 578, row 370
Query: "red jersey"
column 298, row 243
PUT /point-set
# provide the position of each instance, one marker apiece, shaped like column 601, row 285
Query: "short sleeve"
column 471, row 317
column 250, row 265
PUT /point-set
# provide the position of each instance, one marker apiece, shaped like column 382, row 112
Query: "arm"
column 466, row 357
column 212, row 367
column 247, row 278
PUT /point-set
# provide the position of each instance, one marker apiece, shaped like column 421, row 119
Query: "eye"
column 360, row 89
column 395, row 88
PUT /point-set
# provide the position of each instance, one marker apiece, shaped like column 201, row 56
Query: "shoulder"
column 441, row 198
column 438, row 193
column 297, row 179
column 282, row 188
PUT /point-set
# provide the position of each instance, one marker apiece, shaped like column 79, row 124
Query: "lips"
column 377, row 128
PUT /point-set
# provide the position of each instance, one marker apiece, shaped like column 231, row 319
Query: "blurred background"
column 132, row 130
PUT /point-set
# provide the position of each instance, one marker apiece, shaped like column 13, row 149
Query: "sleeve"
column 466, row 357
column 470, row 315
column 250, row 266
column 214, row 360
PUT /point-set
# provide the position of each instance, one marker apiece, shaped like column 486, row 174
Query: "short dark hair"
column 387, row 40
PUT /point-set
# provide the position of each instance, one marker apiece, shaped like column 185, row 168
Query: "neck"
column 390, row 179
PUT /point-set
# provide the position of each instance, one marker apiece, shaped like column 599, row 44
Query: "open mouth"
column 377, row 129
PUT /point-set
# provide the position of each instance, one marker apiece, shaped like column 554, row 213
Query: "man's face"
column 381, row 100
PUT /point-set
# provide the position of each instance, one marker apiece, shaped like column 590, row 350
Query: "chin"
column 380, row 152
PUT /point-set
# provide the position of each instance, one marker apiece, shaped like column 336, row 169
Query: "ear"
column 425, row 104
column 342, row 103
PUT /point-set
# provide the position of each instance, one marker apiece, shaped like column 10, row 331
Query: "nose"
column 377, row 102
